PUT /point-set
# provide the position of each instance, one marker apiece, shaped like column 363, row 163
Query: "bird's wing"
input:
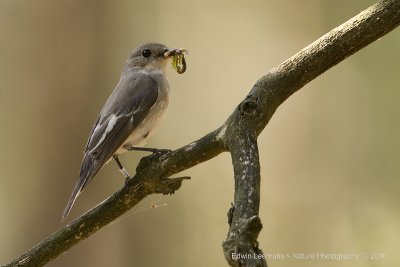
column 125, row 109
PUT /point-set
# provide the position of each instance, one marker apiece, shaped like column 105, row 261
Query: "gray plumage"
column 130, row 115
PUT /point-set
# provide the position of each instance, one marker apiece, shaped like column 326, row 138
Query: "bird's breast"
column 151, row 122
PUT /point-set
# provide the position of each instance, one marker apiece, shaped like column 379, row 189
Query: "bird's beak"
column 175, row 51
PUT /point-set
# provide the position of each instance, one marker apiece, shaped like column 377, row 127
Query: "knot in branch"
column 249, row 106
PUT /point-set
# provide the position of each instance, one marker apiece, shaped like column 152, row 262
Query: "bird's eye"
column 146, row 53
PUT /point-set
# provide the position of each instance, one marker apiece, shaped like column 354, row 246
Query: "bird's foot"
column 148, row 149
column 157, row 155
column 126, row 175
column 127, row 179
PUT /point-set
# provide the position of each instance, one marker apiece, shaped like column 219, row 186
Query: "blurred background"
column 329, row 156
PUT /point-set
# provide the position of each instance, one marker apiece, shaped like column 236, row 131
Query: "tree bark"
column 238, row 135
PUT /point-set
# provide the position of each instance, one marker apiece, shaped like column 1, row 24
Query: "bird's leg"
column 122, row 169
column 148, row 149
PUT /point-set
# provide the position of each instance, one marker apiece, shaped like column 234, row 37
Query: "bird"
column 130, row 115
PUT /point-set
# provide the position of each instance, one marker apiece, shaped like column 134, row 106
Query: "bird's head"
column 151, row 56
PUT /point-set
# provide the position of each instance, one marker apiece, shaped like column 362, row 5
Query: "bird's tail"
column 85, row 175
column 77, row 189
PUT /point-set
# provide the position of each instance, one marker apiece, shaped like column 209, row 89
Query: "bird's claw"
column 161, row 151
column 127, row 179
column 157, row 155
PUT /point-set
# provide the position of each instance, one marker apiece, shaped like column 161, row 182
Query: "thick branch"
column 284, row 80
column 245, row 225
column 254, row 113
column 268, row 93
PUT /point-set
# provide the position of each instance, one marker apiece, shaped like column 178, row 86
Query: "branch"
column 267, row 94
column 245, row 225
column 237, row 135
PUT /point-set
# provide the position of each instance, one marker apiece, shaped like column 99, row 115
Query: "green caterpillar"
column 179, row 63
